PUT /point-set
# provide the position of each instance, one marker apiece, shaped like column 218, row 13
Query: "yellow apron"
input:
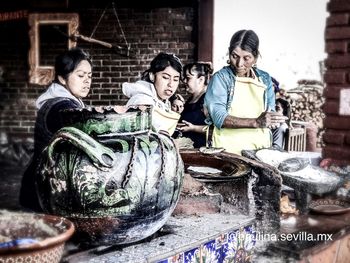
column 248, row 102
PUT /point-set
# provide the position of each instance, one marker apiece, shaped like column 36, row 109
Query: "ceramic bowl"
column 30, row 237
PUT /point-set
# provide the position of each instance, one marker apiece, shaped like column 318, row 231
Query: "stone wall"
column 337, row 79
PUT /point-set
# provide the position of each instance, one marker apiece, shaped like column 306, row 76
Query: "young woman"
column 240, row 99
column 192, row 122
column 177, row 103
column 157, row 85
column 73, row 70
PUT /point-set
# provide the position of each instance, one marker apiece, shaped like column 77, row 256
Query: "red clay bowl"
column 29, row 237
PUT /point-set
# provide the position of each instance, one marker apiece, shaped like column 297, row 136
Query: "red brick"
column 336, row 152
column 347, row 138
column 331, row 106
column 26, row 134
column 338, row 61
column 107, row 97
column 337, row 123
column 27, row 123
column 337, row 33
column 338, row 5
column 100, row 91
column 333, row 137
column 101, row 80
column 105, row 88
column 336, row 47
column 20, row 129
column 8, row 122
column 335, row 77
column 333, row 92
column 338, row 20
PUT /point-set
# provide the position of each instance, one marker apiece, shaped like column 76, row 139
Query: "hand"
column 180, row 124
column 185, row 126
column 271, row 120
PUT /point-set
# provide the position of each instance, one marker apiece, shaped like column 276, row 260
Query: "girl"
column 157, row 85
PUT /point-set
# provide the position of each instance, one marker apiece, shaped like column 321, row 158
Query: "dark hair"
column 67, row 62
column 247, row 40
column 176, row 96
column 204, row 69
column 162, row 61
column 285, row 106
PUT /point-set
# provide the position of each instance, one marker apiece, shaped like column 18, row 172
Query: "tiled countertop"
column 184, row 234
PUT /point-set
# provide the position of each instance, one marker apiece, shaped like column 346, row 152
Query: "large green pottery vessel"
column 108, row 172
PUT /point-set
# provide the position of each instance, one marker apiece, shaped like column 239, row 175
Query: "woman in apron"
column 240, row 99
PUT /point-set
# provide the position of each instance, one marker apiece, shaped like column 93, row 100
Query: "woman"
column 192, row 122
column 157, row 85
column 73, row 70
column 177, row 103
column 240, row 99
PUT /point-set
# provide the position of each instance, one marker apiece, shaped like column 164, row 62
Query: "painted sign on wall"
column 6, row 16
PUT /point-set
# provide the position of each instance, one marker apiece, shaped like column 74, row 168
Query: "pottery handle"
column 99, row 154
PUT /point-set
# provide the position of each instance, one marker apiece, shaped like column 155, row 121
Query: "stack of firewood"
column 306, row 104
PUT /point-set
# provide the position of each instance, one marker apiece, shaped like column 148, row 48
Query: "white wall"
column 291, row 34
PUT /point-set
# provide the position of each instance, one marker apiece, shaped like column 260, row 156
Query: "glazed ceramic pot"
column 109, row 173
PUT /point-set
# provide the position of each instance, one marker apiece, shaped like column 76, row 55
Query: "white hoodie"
column 142, row 92
column 56, row 90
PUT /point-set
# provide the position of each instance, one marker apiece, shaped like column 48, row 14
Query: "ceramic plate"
column 227, row 173
column 211, row 150
column 329, row 206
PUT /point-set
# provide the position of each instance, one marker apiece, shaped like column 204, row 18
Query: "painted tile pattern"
column 234, row 246
column 207, row 238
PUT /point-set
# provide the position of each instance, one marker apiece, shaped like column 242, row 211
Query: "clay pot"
column 109, row 173
column 27, row 237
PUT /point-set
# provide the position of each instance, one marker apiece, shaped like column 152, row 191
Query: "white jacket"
column 142, row 92
column 56, row 90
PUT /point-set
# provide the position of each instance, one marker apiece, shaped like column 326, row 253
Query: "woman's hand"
column 186, row 126
column 271, row 120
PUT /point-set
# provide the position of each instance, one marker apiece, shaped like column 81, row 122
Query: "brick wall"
column 337, row 78
column 147, row 30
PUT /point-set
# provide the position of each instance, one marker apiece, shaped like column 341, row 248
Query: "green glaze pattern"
column 94, row 123
column 132, row 181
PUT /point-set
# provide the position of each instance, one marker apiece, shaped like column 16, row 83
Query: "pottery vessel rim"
column 65, row 231
column 115, row 109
